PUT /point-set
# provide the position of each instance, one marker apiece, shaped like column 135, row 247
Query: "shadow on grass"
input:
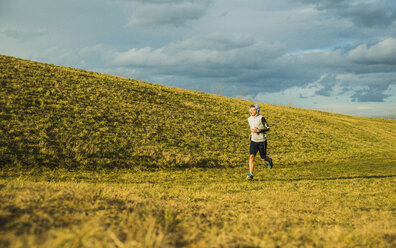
column 325, row 179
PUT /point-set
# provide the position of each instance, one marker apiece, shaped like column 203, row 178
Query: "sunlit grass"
column 93, row 160
column 61, row 117
column 322, row 205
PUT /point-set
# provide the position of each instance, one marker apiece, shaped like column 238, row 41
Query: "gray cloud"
column 374, row 93
column 369, row 87
column 23, row 34
column 326, row 85
column 383, row 52
column 168, row 13
column 213, row 56
column 264, row 67
column 379, row 13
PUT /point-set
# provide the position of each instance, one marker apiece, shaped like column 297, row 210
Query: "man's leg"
column 269, row 161
column 251, row 163
column 263, row 154
column 252, row 152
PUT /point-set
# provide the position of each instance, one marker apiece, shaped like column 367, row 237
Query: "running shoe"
column 249, row 177
column 270, row 163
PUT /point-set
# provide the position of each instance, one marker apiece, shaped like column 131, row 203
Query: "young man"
column 258, row 139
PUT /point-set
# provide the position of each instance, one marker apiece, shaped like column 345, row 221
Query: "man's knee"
column 251, row 156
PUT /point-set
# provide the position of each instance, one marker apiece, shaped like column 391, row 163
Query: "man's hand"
column 255, row 130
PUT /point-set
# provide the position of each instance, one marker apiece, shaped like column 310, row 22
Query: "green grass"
column 320, row 205
column 53, row 117
column 93, row 160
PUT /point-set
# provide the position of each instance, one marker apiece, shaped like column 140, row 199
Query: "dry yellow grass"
column 54, row 116
column 75, row 148
column 326, row 205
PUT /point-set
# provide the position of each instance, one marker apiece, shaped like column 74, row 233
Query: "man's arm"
column 265, row 124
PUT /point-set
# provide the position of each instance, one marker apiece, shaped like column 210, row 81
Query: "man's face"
column 253, row 111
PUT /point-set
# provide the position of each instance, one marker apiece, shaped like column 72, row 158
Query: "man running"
column 258, row 139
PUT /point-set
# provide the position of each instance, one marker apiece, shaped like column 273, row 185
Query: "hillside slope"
column 62, row 117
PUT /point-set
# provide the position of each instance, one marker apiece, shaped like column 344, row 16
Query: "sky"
column 331, row 55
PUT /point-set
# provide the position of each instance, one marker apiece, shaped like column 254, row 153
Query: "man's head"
column 254, row 109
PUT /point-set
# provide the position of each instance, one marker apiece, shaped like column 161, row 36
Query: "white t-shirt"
column 256, row 122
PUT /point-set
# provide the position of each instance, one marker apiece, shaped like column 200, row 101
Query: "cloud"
column 383, row 52
column 362, row 73
column 165, row 13
column 369, row 13
column 262, row 67
column 374, row 93
column 326, row 85
column 213, row 56
column 361, row 58
column 370, row 87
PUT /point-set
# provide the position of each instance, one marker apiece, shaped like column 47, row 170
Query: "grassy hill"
column 333, row 184
column 55, row 116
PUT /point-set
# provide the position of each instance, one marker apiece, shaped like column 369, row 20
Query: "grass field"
column 57, row 117
column 345, row 204
column 94, row 160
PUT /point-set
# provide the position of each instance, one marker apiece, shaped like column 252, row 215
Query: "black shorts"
column 258, row 146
